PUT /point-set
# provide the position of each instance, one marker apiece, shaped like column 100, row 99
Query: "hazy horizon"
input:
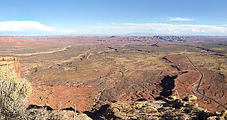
column 113, row 17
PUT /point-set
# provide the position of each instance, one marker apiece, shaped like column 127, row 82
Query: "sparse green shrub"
column 13, row 94
column 37, row 114
column 169, row 116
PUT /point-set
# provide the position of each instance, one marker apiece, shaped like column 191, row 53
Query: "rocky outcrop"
column 191, row 98
column 172, row 108
column 12, row 63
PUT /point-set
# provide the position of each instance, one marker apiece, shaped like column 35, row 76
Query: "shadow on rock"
column 39, row 107
column 99, row 114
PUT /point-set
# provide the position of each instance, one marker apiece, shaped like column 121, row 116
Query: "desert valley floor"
column 91, row 71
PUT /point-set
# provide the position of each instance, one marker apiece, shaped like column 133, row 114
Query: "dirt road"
column 197, row 85
column 40, row 53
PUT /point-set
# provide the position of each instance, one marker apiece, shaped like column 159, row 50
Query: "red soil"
column 67, row 96
column 83, row 96
column 213, row 84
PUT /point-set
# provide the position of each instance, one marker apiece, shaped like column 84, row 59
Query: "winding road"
column 199, row 83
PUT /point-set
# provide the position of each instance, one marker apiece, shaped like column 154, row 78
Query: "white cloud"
column 155, row 28
column 36, row 28
column 30, row 28
column 179, row 19
column 24, row 26
column 225, row 25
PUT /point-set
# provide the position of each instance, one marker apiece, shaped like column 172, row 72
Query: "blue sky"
column 72, row 17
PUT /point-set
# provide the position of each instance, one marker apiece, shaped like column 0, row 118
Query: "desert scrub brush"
column 13, row 93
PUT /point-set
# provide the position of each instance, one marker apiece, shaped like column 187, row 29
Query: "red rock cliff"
column 12, row 62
